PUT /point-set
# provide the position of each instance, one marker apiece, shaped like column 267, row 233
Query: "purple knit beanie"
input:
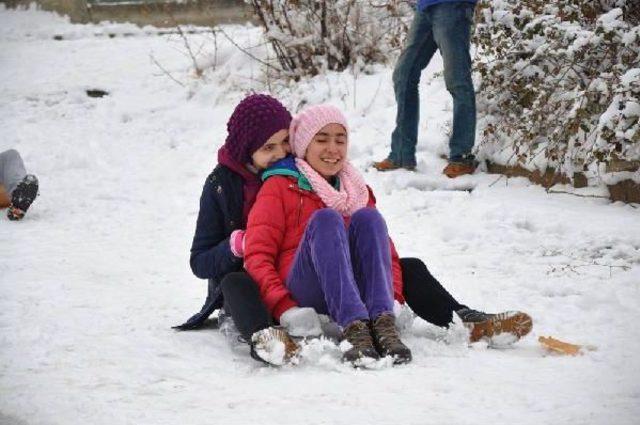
column 256, row 118
column 308, row 122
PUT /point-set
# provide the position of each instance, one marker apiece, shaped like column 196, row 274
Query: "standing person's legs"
column 322, row 275
column 371, row 259
column 425, row 295
column 418, row 51
column 242, row 301
column 452, row 31
column 12, row 170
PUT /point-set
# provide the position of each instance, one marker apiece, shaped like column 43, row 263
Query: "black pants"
column 424, row 294
column 242, row 301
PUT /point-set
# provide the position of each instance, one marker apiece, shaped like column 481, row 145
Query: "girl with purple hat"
column 257, row 137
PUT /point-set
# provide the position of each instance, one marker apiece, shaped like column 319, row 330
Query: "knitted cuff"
column 236, row 242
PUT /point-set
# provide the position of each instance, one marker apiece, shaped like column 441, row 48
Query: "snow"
column 611, row 20
column 96, row 274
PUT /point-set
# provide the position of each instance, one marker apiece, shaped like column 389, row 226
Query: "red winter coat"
column 276, row 224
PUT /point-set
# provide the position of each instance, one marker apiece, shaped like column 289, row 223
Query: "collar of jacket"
column 287, row 167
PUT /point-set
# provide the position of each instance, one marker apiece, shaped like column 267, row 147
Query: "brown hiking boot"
column 457, row 169
column 388, row 341
column 358, row 335
column 389, row 165
column 499, row 329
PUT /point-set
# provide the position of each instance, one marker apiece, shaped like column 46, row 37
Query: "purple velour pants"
column 344, row 272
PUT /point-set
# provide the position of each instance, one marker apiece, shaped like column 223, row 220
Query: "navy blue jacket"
column 221, row 205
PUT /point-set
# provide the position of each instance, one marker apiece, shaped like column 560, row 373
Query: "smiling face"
column 274, row 149
column 327, row 151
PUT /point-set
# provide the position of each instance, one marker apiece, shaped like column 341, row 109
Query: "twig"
column 165, row 71
column 375, row 95
column 187, row 45
column 563, row 192
column 498, row 179
column 243, row 50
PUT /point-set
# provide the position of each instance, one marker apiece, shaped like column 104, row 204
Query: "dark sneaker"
column 389, row 165
column 388, row 341
column 273, row 346
column 499, row 329
column 457, row 169
column 358, row 335
column 22, row 197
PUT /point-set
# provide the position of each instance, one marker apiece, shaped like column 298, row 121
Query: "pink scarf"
column 353, row 193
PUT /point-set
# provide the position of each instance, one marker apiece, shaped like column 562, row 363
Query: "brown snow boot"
column 500, row 329
column 389, row 165
column 388, row 341
column 358, row 335
column 457, row 169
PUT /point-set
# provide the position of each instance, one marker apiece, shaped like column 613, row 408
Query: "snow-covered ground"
column 96, row 274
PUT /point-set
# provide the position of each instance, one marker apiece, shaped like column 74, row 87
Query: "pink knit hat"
column 308, row 122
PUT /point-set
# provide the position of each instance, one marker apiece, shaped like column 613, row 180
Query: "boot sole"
column 517, row 324
column 22, row 197
column 453, row 175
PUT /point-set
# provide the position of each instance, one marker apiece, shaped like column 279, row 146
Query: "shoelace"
column 470, row 315
column 359, row 336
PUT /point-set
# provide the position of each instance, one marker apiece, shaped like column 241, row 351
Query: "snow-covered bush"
column 560, row 82
column 310, row 36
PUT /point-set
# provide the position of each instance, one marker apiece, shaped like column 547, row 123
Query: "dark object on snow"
column 96, row 93
column 22, row 197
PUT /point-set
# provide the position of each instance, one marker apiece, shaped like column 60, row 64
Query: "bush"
column 560, row 82
column 310, row 37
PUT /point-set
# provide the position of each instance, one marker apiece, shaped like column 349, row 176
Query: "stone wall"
column 156, row 13
column 626, row 191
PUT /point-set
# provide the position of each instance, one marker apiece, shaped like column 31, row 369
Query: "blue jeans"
column 447, row 27
column 344, row 272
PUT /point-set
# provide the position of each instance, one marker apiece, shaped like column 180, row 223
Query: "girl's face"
column 327, row 151
column 274, row 149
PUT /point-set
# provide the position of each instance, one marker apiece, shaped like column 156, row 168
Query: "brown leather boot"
column 388, row 341
column 457, row 169
column 499, row 329
column 389, row 165
column 358, row 335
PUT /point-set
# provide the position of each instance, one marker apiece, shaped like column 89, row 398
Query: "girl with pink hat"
column 316, row 244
